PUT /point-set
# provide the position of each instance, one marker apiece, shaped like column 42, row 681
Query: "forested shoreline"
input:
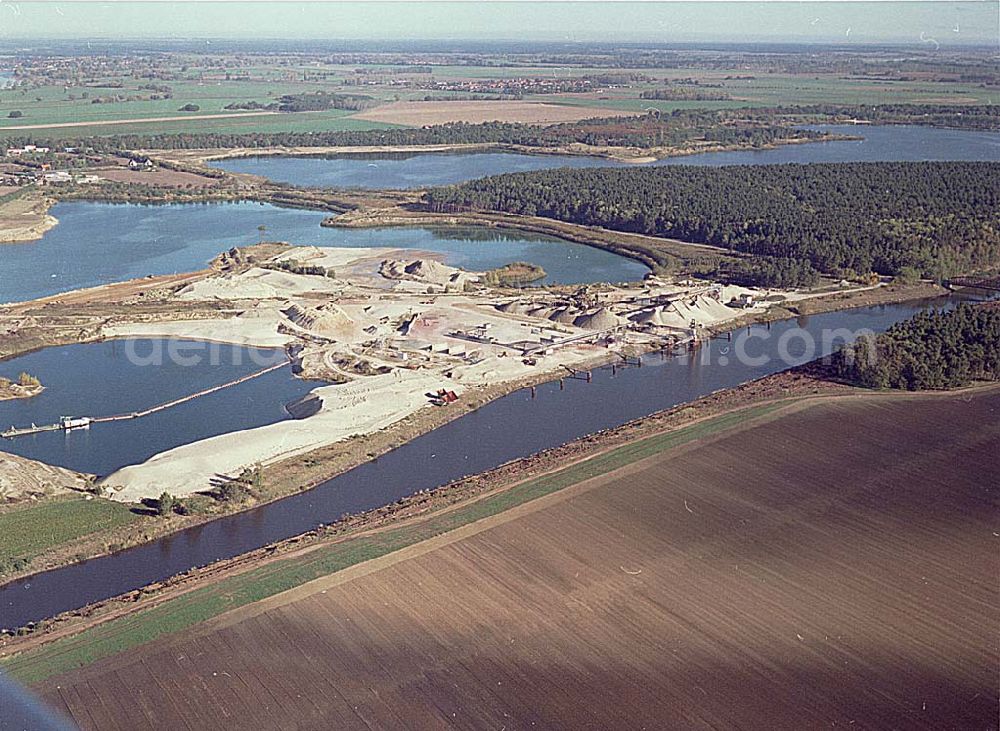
column 913, row 219
column 625, row 131
column 932, row 350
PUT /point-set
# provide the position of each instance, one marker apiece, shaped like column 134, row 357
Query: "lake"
column 123, row 376
column 883, row 143
column 100, row 243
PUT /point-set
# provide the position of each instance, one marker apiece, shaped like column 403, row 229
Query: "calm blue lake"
column 122, row 376
column 899, row 143
column 99, row 243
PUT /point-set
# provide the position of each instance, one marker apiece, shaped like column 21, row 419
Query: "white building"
column 59, row 176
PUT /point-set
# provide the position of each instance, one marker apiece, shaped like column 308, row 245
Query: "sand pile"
column 557, row 313
column 680, row 313
column 564, row 315
column 703, row 310
column 22, row 479
column 602, row 319
column 328, row 320
column 255, row 284
column 229, row 287
column 425, row 270
column 666, row 316
column 332, row 257
column 653, row 316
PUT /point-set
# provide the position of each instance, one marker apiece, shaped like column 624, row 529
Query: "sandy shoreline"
column 26, row 218
column 28, row 233
column 633, row 155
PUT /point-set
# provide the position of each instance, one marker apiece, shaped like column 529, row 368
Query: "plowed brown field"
column 474, row 112
column 835, row 566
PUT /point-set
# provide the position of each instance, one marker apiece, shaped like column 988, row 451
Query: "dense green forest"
column 319, row 101
column 934, row 219
column 930, row 350
column 971, row 117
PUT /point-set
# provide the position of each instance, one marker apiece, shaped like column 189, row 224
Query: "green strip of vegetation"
column 27, row 532
column 202, row 604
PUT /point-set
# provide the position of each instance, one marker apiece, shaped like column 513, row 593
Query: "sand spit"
column 360, row 407
column 254, row 328
column 25, row 219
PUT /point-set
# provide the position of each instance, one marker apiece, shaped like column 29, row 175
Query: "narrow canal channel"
column 506, row 429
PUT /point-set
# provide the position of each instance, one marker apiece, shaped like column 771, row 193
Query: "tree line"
column 932, row 350
column 754, row 125
column 634, row 131
column 972, row 117
column 930, row 219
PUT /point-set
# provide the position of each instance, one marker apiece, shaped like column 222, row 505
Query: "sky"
column 944, row 22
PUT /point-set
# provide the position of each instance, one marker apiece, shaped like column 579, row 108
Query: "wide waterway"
column 124, row 376
column 884, row 143
column 99, row 243
column 508, row 428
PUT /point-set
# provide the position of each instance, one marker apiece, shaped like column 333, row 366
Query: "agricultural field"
column 44, row 109
column 820, row 564
column 420, row 113
column 157, row 88
column 28, row 530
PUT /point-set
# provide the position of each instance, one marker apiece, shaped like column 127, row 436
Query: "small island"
column 515, row 274
column 25, row 386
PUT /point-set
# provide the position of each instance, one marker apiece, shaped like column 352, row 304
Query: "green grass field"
column 202, row 604
column 26, row 532
column 333, row 121
column 52, row 105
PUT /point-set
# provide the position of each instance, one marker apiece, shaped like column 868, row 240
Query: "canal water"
column 888, row 143
column 99, row 243
column 508, row 428
column 124, row 376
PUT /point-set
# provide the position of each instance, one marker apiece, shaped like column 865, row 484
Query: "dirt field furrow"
column 833, row 564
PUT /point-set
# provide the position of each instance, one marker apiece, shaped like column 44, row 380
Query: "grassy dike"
column 199, row 605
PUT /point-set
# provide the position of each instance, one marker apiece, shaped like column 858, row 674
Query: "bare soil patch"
column 423, row 113
column 134, row 120
column 25, row 219
column 833, row 565
column 162, row 178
